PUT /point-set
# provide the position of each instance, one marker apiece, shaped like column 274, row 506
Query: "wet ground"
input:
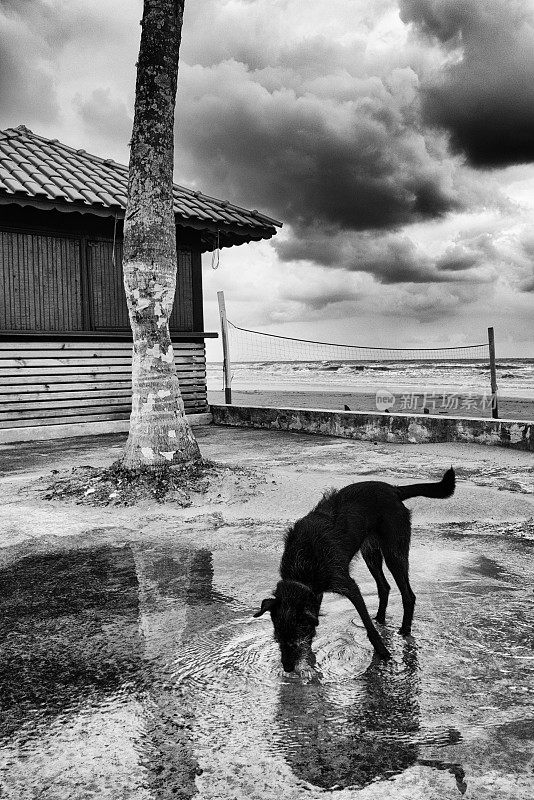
column 131, row 666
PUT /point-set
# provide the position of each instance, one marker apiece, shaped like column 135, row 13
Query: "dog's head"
column 295, row 616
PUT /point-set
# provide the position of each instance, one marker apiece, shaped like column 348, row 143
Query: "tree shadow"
column 68, row 631
column 91, row 630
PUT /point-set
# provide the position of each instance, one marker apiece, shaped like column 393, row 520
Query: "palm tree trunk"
column 159, row 431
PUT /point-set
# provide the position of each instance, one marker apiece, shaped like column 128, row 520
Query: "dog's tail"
column 443, row 488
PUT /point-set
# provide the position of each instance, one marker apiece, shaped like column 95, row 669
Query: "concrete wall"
column 380, row 427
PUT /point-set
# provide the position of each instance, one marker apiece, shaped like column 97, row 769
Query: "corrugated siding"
column 51, row 383
column 41, row 276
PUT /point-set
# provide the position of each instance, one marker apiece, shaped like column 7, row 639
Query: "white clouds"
column 58, row 58
column 26, row 86
column 103, row 115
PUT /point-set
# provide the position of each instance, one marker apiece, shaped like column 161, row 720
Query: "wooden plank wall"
column 52, row 383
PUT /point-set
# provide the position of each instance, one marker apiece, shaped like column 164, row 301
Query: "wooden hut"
column 65, row 340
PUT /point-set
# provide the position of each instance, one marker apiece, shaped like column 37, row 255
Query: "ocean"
column 515, row 376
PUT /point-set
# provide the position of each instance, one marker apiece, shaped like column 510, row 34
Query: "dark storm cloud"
column 318, row 132
column 394, row 258
column 390, row 258
column 342, row 150
column 485, row 96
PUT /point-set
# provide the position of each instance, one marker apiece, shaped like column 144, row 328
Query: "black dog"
column 367, row 516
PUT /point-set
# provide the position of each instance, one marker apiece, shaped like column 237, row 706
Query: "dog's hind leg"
column 349, row 589
column 372, row 555
column 398, row 567
column 395, row 545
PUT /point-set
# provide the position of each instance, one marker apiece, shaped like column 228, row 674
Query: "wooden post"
column 493, row 374
column 226, row 350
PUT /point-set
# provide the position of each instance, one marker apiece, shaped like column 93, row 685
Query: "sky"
column 393, row 138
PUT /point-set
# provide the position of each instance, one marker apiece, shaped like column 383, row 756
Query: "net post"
column 226, row 349
column 493, row 374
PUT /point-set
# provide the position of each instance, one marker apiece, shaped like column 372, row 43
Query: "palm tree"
column 159, row 432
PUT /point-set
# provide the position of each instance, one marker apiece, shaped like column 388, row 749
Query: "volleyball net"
column 248, row 346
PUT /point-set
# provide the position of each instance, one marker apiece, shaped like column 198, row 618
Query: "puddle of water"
column 138, row 671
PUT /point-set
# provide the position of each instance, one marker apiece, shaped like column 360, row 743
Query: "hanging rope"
column 216, row 255
column 114, row 240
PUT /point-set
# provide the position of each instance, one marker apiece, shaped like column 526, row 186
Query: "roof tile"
column 72, row 194
column 52, row 190
column 34, row 166
column 13, row 184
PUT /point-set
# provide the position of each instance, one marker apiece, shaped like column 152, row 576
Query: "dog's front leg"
column 351, row 591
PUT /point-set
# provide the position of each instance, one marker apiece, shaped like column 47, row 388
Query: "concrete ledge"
column 380, row 427
column 46, row 432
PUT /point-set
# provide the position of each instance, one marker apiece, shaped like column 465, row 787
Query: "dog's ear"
column 311, row 616
column 266, row 605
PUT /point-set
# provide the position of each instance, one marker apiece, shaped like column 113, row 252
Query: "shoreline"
column 514, row 408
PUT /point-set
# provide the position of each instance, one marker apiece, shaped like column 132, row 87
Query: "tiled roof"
column 55, row 175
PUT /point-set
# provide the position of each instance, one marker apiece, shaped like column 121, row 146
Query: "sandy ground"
column 132, row 668
column 517, row 408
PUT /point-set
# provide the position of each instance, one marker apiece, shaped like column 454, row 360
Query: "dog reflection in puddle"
column 350, row 733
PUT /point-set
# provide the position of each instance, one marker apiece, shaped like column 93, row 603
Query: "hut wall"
column 65, row 340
